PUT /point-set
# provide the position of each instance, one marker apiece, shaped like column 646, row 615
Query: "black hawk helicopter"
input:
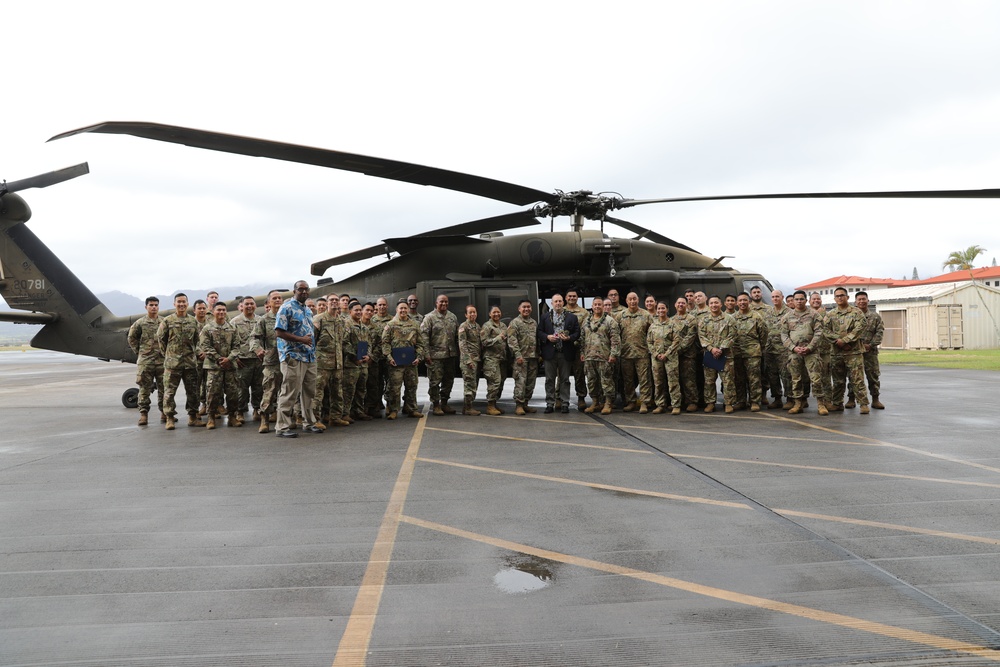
column 472, row 262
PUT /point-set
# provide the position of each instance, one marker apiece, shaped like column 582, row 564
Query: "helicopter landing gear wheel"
column 130, row 399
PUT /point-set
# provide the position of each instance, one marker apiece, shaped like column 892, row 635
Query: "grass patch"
column 979, row 360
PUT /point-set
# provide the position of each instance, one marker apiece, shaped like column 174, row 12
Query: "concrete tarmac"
column 745, row 539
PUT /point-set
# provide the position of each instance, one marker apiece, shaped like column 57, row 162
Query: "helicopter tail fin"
column 33, row 280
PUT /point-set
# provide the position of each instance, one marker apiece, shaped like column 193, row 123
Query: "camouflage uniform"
column 601, row 341
column 329, row 364
column 635, row 356
column 355, row 372
column 776, row 356
column 218, row 341
column 149, row 365
column 748, row 349
column 523, row 344
column 471, row 355
column 440, row 334
column 688, row 357
column 665, row 338
column 824, row 351
column 579, row 370
column 249, row 372
column 872, row 335
column 846, row 362
column 265, row 339
column 398, row 333
column 719, row 331
column 798, row 329
column 178, row 338
column 494, row 340
column 378, row 368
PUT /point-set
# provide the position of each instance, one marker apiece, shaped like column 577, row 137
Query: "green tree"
column 962, row 259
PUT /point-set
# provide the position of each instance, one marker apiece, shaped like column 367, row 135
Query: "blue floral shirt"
column 294, row 318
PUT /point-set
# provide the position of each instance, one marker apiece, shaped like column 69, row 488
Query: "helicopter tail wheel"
column 130, row 399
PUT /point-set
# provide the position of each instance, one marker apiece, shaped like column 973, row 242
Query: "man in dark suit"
column 558, row 331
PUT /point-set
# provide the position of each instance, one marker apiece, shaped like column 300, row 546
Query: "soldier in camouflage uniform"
column 493, row 335
column 688, row 354
column 219, row 343
column 178, row 338
column 844, row 327
column 249, row 371
column 871, row 338
column 402, row 332
column 801, row 333
column 824, row 349
column 470, row 348
column 378, row 369
column 776, row 356
column 201, row 310
column 602, row 343
column 265, row 346
column 440, row 331
column 663, row 341
column 149, row 362
column 414, row 305
column 579, row 370
column 330, row 330
column 634, row 324
column 355, row 368
column 717, row 334
column 748, row 349
column 523, row 343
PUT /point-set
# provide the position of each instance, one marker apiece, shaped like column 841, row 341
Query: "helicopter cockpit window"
column 458, row 299
column 507, row 299
column 749, row 284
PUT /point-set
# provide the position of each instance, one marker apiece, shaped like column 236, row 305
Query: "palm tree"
column 962, row 260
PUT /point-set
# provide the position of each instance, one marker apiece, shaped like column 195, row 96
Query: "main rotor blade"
column 647, row 233
column 993, row 193
column 45, row 180
column 372, row 166
column 524, row 218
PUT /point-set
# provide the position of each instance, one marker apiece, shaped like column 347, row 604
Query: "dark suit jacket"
column 548, row 348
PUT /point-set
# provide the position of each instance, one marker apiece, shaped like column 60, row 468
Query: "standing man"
column 729, row 303
column 178, row 338
column 871, row 338
column 776, row 356
column 249, row 372
column 635, row 361
column 440, row 332
column 149, row 361
column 212, row 298
column 402, row 333
column 824, row 348
column 201, row 311
column 330, row 330
column 844, row 328
column 601, row 346
column 218, row 344
column 413, row 303
column 294, row 328
column 688, row 353
column 801, row 333
column 494, row 338
column 378, row 369
column 355, row 366
column 265, row 346
column 558, row 334
column 716, row 333
column 522, row 340
column 616, row 307
column 579, row 370
column 748, row 348
column 470, row 347
column 757, row 298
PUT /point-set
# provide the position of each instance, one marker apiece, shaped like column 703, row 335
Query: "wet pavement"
column 745, row 539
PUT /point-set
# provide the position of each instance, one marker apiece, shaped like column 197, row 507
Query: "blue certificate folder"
column 718, row 364
column 404, row 356
column 362, row 349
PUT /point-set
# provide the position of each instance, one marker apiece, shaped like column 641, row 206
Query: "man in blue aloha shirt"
column 293, row 327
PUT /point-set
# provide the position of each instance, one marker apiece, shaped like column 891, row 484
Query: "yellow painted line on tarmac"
column 890, row 526
column 550, row 420
column 547, row 442
column 890, row 445
column 829, row 618
column 731, row 434
column 353, row 646
column 850, row 471
column 594, row 485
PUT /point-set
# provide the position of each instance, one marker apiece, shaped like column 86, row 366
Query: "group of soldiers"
column 653, row 361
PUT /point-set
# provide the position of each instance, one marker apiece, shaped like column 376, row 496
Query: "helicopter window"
column 458, row 299
column 749, row 284
column 507, row 299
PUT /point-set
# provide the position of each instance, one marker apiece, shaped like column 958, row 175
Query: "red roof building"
column 854, row 284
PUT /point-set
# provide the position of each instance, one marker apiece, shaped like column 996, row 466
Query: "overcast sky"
column 648, row 100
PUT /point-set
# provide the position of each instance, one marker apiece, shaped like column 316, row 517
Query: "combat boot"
column 211, row 422
column 491, row 409
column 754, row 407
column 263, row 426
column 194, row 421
column 675, row 411
column 529, row 409
column 775, row 404
column 447, row 409
column 821, row 409
column 581, row 404
column 877, row 404
column 643, row 409
column 171, row 423
column 338, row 422
column 203, row 410
column 256, row 415
column 415, row 415
column 692, row 407
column 710, row 407
column 658, row 410
column 143, row 418
column 850, row 402
column 796, row 407
column 606, row 410
column 469, row 410
column 836, row 408
column 864, row 410
column 729, row 409
column 519, row 410
column 788, row 404
column 233, row 421
column 594, row 407
column 437, row 409
column 391, row 415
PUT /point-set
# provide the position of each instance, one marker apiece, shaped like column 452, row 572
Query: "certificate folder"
column 404, row 356
column 362, row 349
column 711, row 362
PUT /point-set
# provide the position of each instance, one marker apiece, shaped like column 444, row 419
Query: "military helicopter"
column 471, row 262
